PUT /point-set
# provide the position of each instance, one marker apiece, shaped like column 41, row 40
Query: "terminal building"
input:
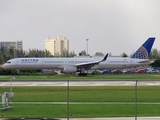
column 57, row 46
column 17, row 45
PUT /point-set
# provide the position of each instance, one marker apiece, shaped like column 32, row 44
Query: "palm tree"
column 154, row 54
column 11, row 52
column 3, row 55
column 124, row 55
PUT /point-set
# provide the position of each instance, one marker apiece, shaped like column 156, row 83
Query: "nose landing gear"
column 18, row 72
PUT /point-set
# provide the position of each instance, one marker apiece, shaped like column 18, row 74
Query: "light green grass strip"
column 89, row 77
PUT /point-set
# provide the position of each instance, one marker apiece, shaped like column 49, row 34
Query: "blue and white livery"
column 144, row 51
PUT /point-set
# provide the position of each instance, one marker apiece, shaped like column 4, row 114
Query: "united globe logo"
column 141, row 53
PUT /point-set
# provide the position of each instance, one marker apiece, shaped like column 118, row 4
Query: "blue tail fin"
column 144, row 51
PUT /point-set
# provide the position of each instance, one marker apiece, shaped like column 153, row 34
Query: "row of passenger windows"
column 66, row 61
column 118, row 61
column 81, row 61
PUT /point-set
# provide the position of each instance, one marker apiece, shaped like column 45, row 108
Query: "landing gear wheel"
column 18, row 73
column 83, row 74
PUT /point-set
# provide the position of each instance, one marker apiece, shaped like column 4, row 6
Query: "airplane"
column 73, row 65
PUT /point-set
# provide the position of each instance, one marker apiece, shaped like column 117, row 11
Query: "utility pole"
column 87, row 45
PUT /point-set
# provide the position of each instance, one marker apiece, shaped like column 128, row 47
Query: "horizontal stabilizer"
column 146, row 61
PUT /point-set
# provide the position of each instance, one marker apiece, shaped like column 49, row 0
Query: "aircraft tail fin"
column 144, row 51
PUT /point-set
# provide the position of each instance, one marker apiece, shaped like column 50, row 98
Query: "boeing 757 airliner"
column 72, row 65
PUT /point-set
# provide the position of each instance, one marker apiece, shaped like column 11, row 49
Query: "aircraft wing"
column 90, row 64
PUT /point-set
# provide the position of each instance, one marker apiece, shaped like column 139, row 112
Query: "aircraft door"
column 131, row 62
column 16, row 62
column 42, row 62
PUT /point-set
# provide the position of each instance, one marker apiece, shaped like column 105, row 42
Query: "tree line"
column 5, row 55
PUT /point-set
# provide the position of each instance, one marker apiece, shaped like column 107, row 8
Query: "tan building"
column 57, row 46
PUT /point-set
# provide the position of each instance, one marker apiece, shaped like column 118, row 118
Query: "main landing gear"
column 82, row 74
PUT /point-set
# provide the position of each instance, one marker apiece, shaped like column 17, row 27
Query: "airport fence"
column 84, row 99
column 141, row 95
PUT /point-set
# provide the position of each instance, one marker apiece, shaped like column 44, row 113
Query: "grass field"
column 85, row 94
column 149, row 94
column 79, row 111
column 89, row 77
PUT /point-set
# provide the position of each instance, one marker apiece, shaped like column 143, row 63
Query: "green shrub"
column 95, row 72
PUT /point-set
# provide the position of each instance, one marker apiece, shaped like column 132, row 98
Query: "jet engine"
column 69, row 69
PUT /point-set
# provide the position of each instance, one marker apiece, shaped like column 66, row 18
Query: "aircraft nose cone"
column 3, row 66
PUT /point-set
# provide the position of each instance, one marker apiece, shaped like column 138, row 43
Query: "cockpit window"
column 9, row 62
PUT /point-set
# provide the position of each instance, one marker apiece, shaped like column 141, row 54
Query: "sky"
column 113, row 26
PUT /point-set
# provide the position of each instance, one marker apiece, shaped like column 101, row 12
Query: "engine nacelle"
column 69, row 69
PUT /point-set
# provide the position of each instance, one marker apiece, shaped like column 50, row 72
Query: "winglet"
column 105, row 58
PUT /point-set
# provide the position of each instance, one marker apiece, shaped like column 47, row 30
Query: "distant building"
column 18, row 45
column 99, row 54
column 57, row 46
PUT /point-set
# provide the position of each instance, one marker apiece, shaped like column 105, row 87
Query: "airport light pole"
column 87, row 45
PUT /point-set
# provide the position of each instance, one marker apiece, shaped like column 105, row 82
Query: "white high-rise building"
column 57, row 46
column 18, row 45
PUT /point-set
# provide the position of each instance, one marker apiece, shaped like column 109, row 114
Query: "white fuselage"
column 60, row 63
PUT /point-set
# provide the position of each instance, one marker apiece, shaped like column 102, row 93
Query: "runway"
column 81, row 83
